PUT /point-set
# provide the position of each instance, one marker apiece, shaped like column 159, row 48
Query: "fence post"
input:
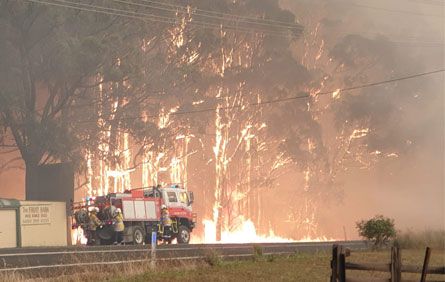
column 425, row 264
column 342, row 268
column 396, row 264
column 334, row 263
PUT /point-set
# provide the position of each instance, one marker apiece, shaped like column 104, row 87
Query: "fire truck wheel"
column 138, row 235
column 183, row 235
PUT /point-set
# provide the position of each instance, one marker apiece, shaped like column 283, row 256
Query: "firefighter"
column 93, row 224
column 166, row 222
column 118, row 227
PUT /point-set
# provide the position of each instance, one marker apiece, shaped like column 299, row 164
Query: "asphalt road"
column 41, row 260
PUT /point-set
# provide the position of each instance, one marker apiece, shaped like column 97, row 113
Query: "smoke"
column 404, row 119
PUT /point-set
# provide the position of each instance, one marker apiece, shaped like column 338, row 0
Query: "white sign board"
column 33, row 215
column 8, row 229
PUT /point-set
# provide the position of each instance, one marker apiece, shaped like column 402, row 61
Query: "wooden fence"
column 395, row 267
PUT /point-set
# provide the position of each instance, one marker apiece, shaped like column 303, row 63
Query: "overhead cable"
column 293, row 98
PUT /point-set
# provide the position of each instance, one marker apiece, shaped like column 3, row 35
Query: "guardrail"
column 395, row 267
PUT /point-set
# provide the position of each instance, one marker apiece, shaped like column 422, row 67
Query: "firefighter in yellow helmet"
column 166, row 222
column 118, row 226
column 93, row 224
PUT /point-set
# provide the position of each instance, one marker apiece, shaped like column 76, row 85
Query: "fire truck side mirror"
column 191, row 198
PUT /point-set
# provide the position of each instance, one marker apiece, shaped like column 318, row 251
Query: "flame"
column 198, row 102
column 246, row 232
column 119, row 173
column 336, row 94
column 78, row 237
column 392, row 155
column 359, row 133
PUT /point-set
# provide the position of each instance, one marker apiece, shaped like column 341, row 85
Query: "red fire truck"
column 141, row 210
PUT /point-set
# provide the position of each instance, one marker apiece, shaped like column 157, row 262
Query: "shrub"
column 213, row 258
column 257, row 253
column 379, row 230
column 271, row 258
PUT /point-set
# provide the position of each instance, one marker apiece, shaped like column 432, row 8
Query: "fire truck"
column 141, row 211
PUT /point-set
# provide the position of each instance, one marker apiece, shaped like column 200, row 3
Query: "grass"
column 261, row 267
column 415, row 240
column 213, row 258
column 290, row 268
column 298, row 267
column 12, row 277
column 409, row 257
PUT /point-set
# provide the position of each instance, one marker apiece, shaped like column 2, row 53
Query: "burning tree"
column 55, row 59
column 244, row 66
column 355, row 128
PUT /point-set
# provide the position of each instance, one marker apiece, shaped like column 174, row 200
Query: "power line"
column 220, row 14
column 143, row 16
column 419, row 42
column 203, row 24
column 429, row 2
column 105, row 10
column 406, row 38
column 154, row 18
column 207, row 15
column 170, row 20
column 207, row 24
column 346, row 89
column 393, row 11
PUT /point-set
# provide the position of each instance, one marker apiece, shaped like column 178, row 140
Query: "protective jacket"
column 119, row 223
column 165, row 218
column 94, row 222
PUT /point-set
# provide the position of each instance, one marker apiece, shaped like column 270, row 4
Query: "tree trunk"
column 219, row 224
column 31, row 178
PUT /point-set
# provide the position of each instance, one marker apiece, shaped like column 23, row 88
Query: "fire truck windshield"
column 183, row 198
column 172, row 197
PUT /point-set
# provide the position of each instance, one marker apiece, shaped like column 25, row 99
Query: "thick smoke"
column 405, row 119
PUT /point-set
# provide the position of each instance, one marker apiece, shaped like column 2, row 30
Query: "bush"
column 213, row 258
column 379, row 230
column 257, row 253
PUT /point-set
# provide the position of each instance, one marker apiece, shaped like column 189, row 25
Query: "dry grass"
column 212, row 257
column 102, row 272
column 276, row 269
column 419, row 240
column 409, row 257
column 297, row 267
column 12, row 277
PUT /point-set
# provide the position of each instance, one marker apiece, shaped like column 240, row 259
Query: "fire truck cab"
column 141, row 210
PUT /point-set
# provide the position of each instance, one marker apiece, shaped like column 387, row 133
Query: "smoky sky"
column 404, row 37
